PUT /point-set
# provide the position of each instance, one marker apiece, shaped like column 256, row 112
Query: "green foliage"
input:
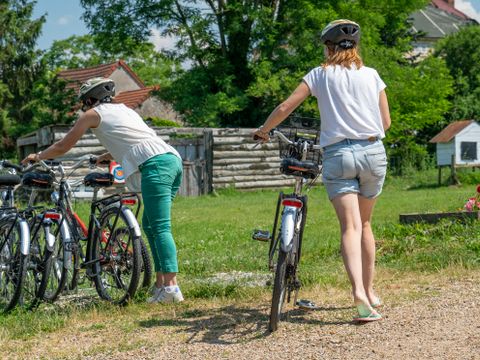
column 469, row 176
column 462, row 55
column 246, row 57
column 29, row 96
column 155, row 121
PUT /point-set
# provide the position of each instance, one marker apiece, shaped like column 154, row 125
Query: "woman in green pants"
column 150, row 166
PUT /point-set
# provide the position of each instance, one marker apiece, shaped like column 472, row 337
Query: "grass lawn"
column 217, row 257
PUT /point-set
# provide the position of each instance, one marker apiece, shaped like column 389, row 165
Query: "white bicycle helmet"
column 97, row 88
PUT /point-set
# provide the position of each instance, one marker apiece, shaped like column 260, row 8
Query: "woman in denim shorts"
column 354, row 111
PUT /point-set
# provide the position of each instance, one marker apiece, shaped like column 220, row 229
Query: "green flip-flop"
column 366, row 315
column 377, row 303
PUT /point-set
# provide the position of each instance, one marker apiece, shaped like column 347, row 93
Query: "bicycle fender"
column 132, row 221
column 66, row 238
column 49, row 237
column 24, row 237
column 288, row 228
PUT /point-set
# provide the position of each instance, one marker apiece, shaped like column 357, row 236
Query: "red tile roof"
column 443, row 5
column 76, row 77
column 134, row 98
column 451, row 131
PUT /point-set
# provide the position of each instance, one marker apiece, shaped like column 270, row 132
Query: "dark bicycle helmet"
column 97, row 88
column 343, row 33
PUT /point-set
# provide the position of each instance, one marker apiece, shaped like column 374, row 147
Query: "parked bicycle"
column 108, row 249
column 14, row 244
column 301, row 159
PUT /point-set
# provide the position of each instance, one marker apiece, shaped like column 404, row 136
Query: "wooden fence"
column 212, row 158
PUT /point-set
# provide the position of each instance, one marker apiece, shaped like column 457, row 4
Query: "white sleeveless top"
column 130, row 141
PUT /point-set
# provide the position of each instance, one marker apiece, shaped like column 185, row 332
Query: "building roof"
column 451, row 131
column 134, row 98
column 445, row 6
column 435, row 23
column 76, row 77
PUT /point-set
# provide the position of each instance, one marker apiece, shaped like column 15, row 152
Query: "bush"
column 156, row 121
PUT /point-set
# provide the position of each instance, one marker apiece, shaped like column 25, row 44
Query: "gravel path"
column 424, row 318
column 445, row 324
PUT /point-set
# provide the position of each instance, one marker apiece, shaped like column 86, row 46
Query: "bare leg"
column 348, row 213
column 368, row 247
column 169, row 279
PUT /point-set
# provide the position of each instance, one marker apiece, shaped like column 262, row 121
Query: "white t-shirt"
column 130, row 141
column 348, row 100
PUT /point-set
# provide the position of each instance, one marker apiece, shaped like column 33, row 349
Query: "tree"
column 245, row 55
column 462, row 55
column 29, row 96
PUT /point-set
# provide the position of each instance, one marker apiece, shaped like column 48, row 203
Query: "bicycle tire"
column 38, row 269
column 18, row 262
column 147, row 268
column 279, row 290
column 58, row 274
column 130, row 255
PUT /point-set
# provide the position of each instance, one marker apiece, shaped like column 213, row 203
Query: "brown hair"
column 343, row 57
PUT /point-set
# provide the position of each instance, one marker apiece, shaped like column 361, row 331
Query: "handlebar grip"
column 256, row 137
column 8, row 164
column 93, row 161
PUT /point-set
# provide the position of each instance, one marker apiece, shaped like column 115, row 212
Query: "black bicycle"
column 108, row 251
column 301, row 159
column 14, row 243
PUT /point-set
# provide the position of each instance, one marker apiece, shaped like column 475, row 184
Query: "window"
column 468, row 150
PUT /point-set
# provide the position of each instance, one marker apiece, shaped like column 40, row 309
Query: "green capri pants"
column 161, row 178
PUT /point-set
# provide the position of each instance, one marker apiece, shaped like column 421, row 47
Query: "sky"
column 63, row 20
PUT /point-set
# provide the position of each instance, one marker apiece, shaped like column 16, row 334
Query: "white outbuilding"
column 458, row 145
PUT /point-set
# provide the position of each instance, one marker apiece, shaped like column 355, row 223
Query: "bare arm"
column 282, row 111
column 384, row 111
column 89, row 119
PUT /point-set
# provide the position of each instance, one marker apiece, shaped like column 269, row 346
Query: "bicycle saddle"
column 38, row 180
column 96, row 179
column 306, row 169
column 9, row 180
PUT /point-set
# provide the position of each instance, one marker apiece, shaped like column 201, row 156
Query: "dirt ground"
column 425, row 317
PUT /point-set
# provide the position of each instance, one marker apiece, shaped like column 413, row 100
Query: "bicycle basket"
column 295, row 134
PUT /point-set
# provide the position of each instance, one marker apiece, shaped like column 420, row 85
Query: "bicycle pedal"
column 261, row 235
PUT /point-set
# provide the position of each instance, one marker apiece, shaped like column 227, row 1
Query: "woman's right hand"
column 261, row 135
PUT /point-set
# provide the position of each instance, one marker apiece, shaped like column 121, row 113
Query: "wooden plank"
column 246, row 147
column 254, row 166
column 272, row 171
column 432, row 218
column 257, row 184
column 23, row 141
column 243, row 178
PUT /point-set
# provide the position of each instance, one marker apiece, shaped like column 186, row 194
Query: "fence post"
column 454, row 177
column 208, row 146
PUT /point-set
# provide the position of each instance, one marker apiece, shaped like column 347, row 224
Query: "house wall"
column 155, row 107
column 471, row 134
column 445, row 152
column 123, row 81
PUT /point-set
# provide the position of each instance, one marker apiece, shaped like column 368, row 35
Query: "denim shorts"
column 354, row 166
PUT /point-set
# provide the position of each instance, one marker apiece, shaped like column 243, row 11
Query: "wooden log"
column 243, row 178
column 272, row 171
column 27, row 140
column 432, row 218
column 232, row 132
column 243, row 154
column 246, row 147
column 237, row 161
column 252, row 167
column 257, row 184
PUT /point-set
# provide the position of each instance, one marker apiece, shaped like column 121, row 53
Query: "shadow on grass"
column 234, row 325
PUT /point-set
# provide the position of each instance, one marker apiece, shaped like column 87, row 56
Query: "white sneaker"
column 154, row 292
column 169, row 294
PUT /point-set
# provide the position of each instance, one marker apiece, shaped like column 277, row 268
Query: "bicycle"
column 286, row 236
column 111, row 257
column 14, row 244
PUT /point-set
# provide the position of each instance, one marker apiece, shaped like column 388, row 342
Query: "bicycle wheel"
column 13, row 264
column 39, row 266
column 279, row 290
column 59, row 272
column 146, row 265
column 117, row 272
